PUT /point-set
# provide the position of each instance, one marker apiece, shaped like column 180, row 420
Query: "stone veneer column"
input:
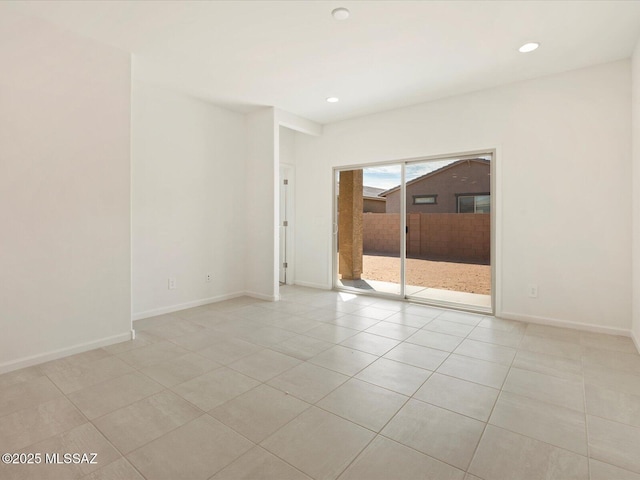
column 350, row 206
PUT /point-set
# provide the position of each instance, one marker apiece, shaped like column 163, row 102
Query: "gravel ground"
column 461, row 277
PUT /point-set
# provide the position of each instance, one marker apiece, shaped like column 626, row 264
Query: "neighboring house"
column 371, row 199
column 461, row 187
column 373, row 202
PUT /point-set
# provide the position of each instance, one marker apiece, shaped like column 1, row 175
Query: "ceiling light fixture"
column 340, row 13
column 528, row 47
column 333, row 99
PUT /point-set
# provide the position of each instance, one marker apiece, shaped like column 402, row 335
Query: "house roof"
column 372, row 193
column 436, row 172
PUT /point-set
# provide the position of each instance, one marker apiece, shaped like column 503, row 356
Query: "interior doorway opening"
column 420, row 230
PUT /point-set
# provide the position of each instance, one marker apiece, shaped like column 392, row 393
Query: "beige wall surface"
column 188, row 200
column 556, row 138
column 636, row 194
column 65, row 253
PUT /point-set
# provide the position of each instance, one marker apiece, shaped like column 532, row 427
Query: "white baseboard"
column 554, row 322
column 313, row 285
column 636, row 340
column 183, row 306
column 63, row 352
column 262, row 296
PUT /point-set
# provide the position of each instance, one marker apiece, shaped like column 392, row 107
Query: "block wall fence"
column 461, row 237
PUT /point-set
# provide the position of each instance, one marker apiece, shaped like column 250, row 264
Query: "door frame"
column 495, row 229
column 289, row 172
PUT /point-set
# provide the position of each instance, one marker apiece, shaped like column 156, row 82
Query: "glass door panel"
column 448, row 239
column 368, row 229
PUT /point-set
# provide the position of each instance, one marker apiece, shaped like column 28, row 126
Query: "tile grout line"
column 475, row 451
column 376, row 434
column 379, row 433
column 305, row 410
column 90, row 422
column 138, row 370
column 510, row 367
column 586, row 423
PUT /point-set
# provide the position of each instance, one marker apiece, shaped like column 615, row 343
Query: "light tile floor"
column 329, row 385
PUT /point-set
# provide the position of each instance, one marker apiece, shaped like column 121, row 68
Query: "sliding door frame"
column 495, row 229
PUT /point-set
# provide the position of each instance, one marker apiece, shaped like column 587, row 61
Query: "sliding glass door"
column 418, row 229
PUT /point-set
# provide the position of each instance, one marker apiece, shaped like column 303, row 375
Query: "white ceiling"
column 293, row 54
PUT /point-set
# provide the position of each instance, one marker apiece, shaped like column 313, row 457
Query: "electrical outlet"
column 533, row 290
column 209, row 277
column 172, row 283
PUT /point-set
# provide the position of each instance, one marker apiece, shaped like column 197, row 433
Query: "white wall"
column 635, row 179
column 287, row 146
column 188, row 201
column 64, row 193
column 261, row 183
column 563, row 160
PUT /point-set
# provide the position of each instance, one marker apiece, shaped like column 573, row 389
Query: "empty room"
column 289, row 240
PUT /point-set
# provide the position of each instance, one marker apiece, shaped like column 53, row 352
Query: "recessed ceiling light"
column 333, row 99
column 528, row 47
column 340, row 13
